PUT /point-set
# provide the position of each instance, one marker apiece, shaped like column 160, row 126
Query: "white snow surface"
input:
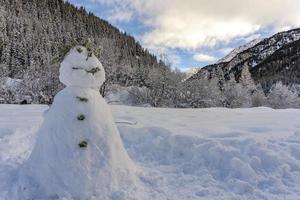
column 76, row 64
column 214, row 153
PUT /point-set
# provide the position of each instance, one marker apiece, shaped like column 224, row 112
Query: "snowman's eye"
column 76, row 68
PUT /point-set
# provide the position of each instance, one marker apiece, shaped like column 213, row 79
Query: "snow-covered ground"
column 214, row 153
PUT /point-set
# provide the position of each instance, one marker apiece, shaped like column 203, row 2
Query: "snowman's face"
column 81, row 68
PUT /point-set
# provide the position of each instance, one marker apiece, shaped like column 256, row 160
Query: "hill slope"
column 35, row 32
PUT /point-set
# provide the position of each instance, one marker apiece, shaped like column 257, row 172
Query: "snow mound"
column 81, row 68
column 218, row 167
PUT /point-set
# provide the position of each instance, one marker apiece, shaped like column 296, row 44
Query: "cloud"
column 120, row 10
column 193, row 24
column 204, row 58
column 120, row 16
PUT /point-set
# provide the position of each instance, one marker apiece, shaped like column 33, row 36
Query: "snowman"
column 78, row 153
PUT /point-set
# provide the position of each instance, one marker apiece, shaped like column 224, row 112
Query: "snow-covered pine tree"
column 253, row 94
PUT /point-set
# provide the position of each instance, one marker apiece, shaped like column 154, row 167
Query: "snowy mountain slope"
column 238, row 50
column 282, row 65
column 186, row 153
column 265, row 48
column 254, row 56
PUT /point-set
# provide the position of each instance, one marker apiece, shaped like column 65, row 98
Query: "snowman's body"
column 78, row 149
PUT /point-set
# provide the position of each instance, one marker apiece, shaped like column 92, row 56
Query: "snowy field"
column 189, row 154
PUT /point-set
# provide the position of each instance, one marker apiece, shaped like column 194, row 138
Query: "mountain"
column 36, row 34
column 283, row 65
column 266, row 73
column 271, row 60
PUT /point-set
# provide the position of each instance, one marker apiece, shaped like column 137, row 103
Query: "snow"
column 213, row 153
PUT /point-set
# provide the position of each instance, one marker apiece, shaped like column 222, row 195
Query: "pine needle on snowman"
column 78, row 152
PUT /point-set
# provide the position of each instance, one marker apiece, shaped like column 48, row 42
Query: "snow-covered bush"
column 280, row 96
column 258, row 99
column 132, row 95
column 202, row 93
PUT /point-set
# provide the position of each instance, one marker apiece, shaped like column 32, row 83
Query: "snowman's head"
column 81, row 68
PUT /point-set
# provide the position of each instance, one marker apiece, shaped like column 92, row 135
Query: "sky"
column 195, row 33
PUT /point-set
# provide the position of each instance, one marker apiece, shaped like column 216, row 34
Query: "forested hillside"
column 35, row 34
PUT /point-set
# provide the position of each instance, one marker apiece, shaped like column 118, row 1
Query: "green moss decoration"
column 83, row 99
column 64, row 49
column 81, row 117
column 93, row 70
column 90, row 54
column 79, row 50
column 83, row 144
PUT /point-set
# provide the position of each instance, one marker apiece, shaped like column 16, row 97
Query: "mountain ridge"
column 253, row 56
column 238, row 50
